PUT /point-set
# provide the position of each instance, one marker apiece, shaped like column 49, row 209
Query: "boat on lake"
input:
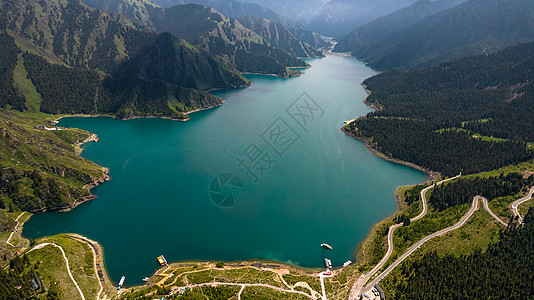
column 121, row 283
column 324, row 245
column 146, row 279
column 327, row 263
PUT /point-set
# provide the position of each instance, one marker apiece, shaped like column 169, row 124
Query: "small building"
column 39, row 127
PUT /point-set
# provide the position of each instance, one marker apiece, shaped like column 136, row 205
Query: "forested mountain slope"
column 70, row 34
column 471, row 28
column 366, row 38
column 469, row 115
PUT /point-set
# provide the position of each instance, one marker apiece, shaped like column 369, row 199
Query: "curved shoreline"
column 433, row 176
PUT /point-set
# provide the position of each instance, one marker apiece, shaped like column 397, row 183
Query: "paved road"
column 358, row 284
column 66, row 261
column 486, row 207
column 516, row 204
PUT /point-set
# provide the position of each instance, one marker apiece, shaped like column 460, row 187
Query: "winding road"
column 360, row 282
column 359, row 287
column 416, row 246
column 518, row 202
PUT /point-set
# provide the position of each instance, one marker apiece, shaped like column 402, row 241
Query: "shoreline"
column 433, row 176
column 135, row 117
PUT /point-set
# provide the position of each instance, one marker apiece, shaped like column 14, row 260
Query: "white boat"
column 327, row 263
column 146, row 279
column 121, row 283
column 324, row 245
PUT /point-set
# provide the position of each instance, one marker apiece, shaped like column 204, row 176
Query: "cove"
column 306, row 182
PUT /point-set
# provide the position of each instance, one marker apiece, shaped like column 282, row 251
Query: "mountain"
column 474, row 27
column 294, row 10
column 138, row 10
column 80, row 61
column 237, row 10
column 208, row 29
column 176, row 61
column 340, row 17
column 469, row 115
column 363, row 40
column 278, row 36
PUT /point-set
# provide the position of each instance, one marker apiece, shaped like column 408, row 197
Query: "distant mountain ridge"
column 364, row 39
column 340, row 17
column 474, row 27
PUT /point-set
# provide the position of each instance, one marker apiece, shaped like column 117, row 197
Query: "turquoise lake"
column 296, row 180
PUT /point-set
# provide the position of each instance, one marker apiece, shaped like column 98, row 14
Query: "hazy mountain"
column 340, row 17
column 363, row 39
column 298, row 10
column 278, row 36
column 474, row 27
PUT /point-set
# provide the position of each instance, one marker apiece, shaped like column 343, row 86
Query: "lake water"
column 293, row 179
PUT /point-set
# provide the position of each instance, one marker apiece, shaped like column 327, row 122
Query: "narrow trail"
column 14, row 230
column 360, row 282
column 518, row 202
column 66, row 261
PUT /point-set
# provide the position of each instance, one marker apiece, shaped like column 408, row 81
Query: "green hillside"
column 40, row 170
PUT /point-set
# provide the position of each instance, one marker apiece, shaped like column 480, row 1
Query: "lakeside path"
column 518, row 202
column 360, row 282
